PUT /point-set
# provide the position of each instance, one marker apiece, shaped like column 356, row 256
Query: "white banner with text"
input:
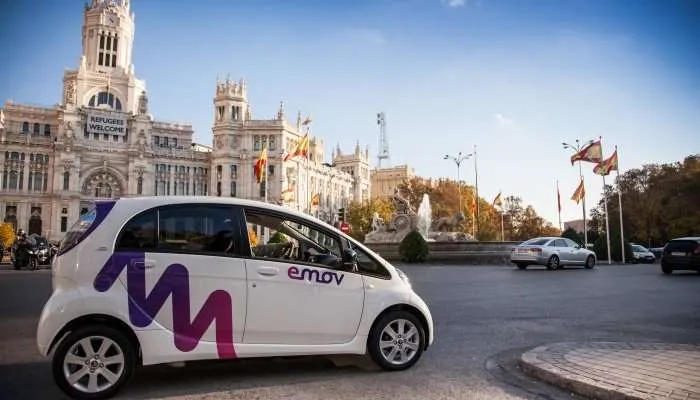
column 107, row 124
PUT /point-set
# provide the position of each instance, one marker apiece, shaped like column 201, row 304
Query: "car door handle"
column 268, row 271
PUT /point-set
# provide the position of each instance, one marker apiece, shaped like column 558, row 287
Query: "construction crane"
column 383, row 153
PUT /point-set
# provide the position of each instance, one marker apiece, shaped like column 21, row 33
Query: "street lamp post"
column 577, row 148
column 458, row 161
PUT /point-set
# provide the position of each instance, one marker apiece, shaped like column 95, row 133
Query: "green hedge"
column 414, row 248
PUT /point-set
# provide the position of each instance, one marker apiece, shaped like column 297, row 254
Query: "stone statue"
column 401, row 203
column 377, row 223
column 69, row 95
column 449, row 224
column 143, row 103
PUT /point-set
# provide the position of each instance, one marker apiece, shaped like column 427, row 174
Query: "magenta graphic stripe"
column 143, row 306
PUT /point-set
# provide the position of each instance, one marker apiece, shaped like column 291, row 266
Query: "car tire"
column 553, row 263
column 590, row 262
column 383, row 347
column 666, row 270
column 521, row 266
column 88, row 364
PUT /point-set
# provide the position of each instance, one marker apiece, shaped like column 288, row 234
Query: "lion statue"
column 448, row 224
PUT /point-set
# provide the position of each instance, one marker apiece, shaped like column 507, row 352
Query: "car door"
column 292, row 299
column 564, row 251
column 183, row 277
column 578, row 254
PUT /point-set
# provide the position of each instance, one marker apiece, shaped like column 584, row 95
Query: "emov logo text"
column 314, row 274
column 143, row 307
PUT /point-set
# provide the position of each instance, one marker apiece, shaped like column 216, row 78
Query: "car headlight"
column 404, row 277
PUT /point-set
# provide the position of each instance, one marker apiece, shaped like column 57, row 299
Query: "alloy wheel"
column 399, row 341
column 93, row 364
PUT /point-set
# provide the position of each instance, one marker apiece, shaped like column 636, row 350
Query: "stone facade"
column 385, row 180
column 101, row 142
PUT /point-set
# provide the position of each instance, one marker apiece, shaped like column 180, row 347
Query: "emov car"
column 149, row 280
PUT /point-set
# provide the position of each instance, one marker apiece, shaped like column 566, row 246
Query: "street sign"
column 345, row 227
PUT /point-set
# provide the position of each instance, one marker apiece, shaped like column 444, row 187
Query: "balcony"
column 24, row 139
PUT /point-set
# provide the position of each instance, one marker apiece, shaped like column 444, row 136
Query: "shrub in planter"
column 414, row 248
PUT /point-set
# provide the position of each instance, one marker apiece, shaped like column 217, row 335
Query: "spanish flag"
column 260, row 165
column 474, row 200
column 302, row 149
column 315, row 200
column 579, row 193
column 497, row 201
column 591, row 153
column 604, row 167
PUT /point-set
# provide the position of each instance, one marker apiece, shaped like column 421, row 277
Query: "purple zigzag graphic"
column 143, row 307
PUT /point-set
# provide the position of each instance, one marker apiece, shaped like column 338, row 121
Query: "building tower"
column 231, row 109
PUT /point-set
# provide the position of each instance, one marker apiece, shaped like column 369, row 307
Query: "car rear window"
column 686, row 246
column 535, row 242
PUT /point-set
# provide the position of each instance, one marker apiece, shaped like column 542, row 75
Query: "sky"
column 514, row 78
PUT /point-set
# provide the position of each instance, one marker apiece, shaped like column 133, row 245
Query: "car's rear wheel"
column 666, row 270
column 396, row 341
column 93, row 362
column 590, row 262
column 553, row 263
column 521, row 265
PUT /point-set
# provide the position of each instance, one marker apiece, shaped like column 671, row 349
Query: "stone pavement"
column 626, row 371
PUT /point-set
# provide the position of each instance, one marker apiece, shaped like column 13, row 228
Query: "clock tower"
column 108, row 36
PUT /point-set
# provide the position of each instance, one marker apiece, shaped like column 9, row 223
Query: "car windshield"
column 639, row 249
column 535, row 242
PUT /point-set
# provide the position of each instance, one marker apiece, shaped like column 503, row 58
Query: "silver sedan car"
column 552, row 252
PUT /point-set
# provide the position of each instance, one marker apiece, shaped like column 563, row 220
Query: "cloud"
column 454, row 3
column 504, row 122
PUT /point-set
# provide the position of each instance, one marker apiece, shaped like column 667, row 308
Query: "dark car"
column 682, row 254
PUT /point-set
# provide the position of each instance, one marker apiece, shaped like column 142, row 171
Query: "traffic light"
column 341, row 214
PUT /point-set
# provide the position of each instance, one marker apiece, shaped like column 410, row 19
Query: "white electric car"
column 149, row 280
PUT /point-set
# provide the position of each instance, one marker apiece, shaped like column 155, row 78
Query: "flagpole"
column 308, row 153
column 266, row 230
column 559, row 206
column 619, row 198
column 607, row 224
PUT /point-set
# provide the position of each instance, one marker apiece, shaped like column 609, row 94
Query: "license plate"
column 677, row 253
column 523, row 250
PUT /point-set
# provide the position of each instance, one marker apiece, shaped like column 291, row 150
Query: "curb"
column 531, row 365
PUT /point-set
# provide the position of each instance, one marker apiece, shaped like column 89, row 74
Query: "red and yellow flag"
column 302, row 149
column 260, row 165
column 579, row 193
column 473, row 210
column 591, row 153
column 604, row 167
column 497, row 201
column 315, row 200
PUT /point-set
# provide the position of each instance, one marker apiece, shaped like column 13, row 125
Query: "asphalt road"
column 485, row 317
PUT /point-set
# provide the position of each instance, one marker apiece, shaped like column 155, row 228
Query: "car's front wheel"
column 590, row 262
column 396, row 341
column 93, row 362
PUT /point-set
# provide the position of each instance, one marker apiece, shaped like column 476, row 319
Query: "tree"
column 659, row 202
column 571, row 233
column 360, row 215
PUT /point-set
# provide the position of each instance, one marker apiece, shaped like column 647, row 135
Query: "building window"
column 47, row 130
column 37, row 129
column 234, row 171
column 104, row 98
column 273, row 143
column 25, row 128
column 139, row 185
column 66, row 180
column 107, row 53
column 233, row 188
column 257, row 143
column 263, row 183
column 271, row 170
column 64, row 224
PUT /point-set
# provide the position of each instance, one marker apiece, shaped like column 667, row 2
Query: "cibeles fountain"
column 406, row 219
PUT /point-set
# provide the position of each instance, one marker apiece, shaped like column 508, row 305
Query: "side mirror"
column 349, row 256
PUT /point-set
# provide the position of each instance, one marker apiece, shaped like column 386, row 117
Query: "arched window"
column 104, row 98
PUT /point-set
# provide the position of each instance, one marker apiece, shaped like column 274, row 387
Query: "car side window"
column 196, row 228
column 561, row 243
column 291, row 240
column 570, row 243
column 368, row 266
column 139, row 233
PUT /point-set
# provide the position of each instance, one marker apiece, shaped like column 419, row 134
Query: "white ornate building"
column 101, row 142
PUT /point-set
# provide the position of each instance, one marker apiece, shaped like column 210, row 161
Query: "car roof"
column 154, row 201
column 695, row 238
